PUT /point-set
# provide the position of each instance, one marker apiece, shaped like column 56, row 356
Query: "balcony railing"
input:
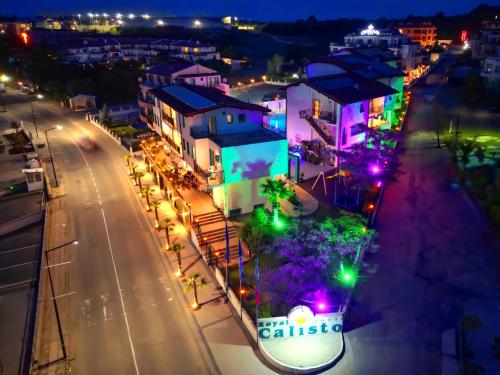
column 323, row 130
column 168, row 119
column 322, row 115
column 376, row 109
column 146, row 103
column 210, row 177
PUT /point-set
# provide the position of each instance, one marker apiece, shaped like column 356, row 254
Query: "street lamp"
column 3, row 79
column 39, row 96
column 58, row 127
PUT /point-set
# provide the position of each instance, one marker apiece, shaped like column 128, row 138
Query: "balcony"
column 210, row 176
column 146, row 85
column 376, row 109
column 169, row 120
column 144, row 103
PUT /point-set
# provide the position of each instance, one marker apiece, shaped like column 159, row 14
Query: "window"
column 212, row 125
column 193, row 154
column 211, row 156
column 358, row 129
column 361, row 108
column 315, row 111
column 242, row 117
column 229, row 118
column 183, row 145
column 344, row 136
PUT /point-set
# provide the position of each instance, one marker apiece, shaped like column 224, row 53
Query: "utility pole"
column 34, row 118
column 50, row 153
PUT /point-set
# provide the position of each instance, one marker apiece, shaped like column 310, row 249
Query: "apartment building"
column 174, row 71
column 408, row 55
column 490, row 72
column 424, row 33
column 222, row 140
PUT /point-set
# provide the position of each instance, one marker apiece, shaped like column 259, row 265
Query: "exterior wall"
column 352, row 116
column 322, row 69
column 300, row 98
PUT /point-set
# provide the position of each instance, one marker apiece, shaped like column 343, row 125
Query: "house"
column 491, row 73
column 408, row 54
column 424, row 33
column 335, row 109
column 222, row 140
column 486, row 42
column 82, row 102
column 175, row 71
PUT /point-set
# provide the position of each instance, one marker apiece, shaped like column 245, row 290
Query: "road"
column 126, row 316
column 437, row 255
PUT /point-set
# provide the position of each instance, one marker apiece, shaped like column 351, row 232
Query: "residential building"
column 486, row 42
column 336, row 108
column 110, row 48
column 491, row 73
column 424, row 33
column 14, row 27
column 222, row 140
column 174, row 71
column 407, row 53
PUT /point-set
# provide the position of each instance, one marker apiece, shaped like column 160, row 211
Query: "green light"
column 347, row 276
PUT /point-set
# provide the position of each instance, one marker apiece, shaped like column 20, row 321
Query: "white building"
column 491, row 73
column 222, row 140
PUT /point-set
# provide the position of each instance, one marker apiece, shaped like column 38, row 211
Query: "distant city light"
column 146, row 16
column 119, row 15
column 131, row 16
column 119, row 22
column 197, row 23
column 160, row 23
column 105, row 15
column 295, row 75
column 90, row 15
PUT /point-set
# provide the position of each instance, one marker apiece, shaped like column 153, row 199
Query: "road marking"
column 18, row 265
column 57, row 264
column 110, row 248
column 19, row 248
column 64, row 295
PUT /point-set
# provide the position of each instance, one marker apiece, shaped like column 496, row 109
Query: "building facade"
column 490, row 72
column 424, row 33
column 222, row 140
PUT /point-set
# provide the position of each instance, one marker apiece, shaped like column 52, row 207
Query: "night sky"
column 246, row 9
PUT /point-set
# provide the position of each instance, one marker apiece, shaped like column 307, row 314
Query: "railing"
column 320, row 129
column 172, row 144
column 168, row 119
column 273, row 129
column 144, row 102
column 376, row 109
column 211, row 178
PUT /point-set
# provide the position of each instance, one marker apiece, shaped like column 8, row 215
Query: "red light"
column 463, row 36
column 25, row 37
column 371, row 206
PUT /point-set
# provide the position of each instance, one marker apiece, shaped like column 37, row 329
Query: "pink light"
column 375, row 169
column 378, row 184
column 321, row 306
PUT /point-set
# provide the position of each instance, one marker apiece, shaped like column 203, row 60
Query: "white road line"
column 56, row 265
column 119, row 292
column 114, row 269
column 64, row 295
column 18, row 265
column 19, row 248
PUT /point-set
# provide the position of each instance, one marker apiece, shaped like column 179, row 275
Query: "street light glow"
column 119, row 15
column 197, row 23
column 59, row 127
column 146, row 16
column 160, row 23
column 39, row 96
column 131, row 16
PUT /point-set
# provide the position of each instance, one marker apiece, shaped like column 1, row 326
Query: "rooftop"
column 168, row 68
column 377, row 54
column 347, row 89
column 363, row 66
column 191, row 100
column 258, row 135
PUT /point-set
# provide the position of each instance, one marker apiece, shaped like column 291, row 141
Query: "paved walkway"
column 437, row 254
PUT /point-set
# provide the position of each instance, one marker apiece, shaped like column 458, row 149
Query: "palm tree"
column 137, row 178
column 155, row 205
column 127, row 158
column 193, row 282
column 463, row 149
column 177, row 250
column 169, row 226
column 274, row 190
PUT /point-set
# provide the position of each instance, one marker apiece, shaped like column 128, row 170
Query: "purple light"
column 321, row 306
column 375, row 169
column 378, row 184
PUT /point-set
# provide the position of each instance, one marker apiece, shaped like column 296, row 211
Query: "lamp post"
column 39, row 96
column 3, row 80
column 59, row 127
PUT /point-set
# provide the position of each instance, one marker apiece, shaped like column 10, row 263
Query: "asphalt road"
column 126, row 315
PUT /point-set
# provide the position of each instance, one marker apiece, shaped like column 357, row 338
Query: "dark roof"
column 378, row 54
column 347, row 89
column 191, row 99
column 169, row 68
column 363, row 66
column 258, row 135
column 214, row 73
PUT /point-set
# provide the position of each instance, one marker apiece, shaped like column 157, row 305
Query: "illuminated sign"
column 463, row 36
column 24, row 37
column 300, row 321
column 370, row 31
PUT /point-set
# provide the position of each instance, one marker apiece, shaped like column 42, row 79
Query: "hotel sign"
column 301, row 321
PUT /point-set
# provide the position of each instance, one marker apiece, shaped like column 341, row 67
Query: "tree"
column 127, row 158
column 147, row 192
column 156, row 205
column 169, row 226
column 274, row 65
column 177, row 250
column 274, row 190
column 193, row 282
column 137, row 178
column 463, row 149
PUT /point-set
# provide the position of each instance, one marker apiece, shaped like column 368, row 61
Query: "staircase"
column 209, row 218
column 322, row 133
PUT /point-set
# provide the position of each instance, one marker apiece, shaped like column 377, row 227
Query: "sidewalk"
column 232, row 351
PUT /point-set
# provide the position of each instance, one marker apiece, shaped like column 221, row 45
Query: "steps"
column 209, row 218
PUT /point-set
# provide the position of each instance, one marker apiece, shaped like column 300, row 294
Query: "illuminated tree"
column 156, row 205
column 169, row 226
column 463, row 149
column 193, row 282
column 137, row 178
column 147, row 192
column 274, row 190
column 127, row 158
column 177, row 248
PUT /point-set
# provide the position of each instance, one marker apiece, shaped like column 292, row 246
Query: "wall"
column 300, row 98
column 351, row 115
